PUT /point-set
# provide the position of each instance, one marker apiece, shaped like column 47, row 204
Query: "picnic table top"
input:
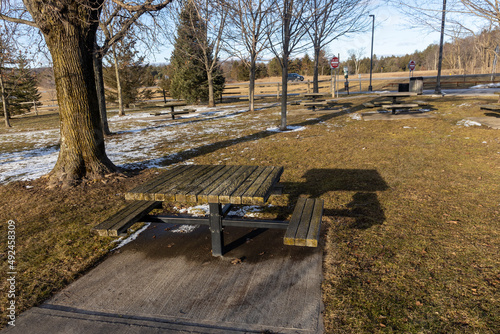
column 398, row 94
column 175, row 104
column 313, row 95
column 210, row 184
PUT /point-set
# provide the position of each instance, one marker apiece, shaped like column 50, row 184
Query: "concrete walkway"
column 167, row 282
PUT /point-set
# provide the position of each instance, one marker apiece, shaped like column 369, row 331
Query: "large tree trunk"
column 82, row 153
column 251, row 85
column 101, row 98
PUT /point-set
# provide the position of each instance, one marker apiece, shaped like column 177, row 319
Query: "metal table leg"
column 215, row 225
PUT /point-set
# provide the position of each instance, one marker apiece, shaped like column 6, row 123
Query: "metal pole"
column 370, row 88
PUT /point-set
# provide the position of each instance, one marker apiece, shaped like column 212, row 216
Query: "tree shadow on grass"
column 210, row 148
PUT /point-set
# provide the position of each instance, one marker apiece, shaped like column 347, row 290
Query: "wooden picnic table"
column 397, row 104
column 218, row 185
column 316, row 100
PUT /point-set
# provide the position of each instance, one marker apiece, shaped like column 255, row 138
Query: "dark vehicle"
column 295, row 77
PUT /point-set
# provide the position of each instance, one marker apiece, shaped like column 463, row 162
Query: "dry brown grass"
column 411, row 224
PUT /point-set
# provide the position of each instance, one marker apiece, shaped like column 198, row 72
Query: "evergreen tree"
column 133, row 74
column 25, row 91
column 189, row 79
column 21, row 86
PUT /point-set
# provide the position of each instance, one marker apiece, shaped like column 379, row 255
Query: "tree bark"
column 71, row 44
column 251, row 85
column 121, row 111
column 211, row 99
column 99, row 81
column 4, row 102
column 316, row 69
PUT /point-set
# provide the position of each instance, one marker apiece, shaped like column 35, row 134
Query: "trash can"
column 403, row 87
column 417, row 85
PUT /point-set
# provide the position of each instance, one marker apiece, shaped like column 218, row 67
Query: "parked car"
column 295, row 77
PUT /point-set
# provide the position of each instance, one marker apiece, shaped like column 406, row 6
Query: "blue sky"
column 393, row 35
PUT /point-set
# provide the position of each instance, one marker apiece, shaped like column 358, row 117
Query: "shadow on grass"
column 364, row 207
column 210, row 148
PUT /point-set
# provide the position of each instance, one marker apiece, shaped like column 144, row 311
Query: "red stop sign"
column 411, row 65
column 334, row 63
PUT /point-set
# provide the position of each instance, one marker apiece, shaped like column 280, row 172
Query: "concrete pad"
column 388, row 116
column 492, row 122
column 166, row 282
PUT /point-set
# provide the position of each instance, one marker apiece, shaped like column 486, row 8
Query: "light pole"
column 370, row 88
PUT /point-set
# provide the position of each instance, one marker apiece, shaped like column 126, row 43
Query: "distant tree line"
column 469, row 54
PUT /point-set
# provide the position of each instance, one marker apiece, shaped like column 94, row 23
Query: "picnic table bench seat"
column 492, row 107
column 305, row 224
column 118, row 224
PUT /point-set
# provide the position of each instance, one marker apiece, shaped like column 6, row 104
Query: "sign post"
column 334, row 63
column 411, row 66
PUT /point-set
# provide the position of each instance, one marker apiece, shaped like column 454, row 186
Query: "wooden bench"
column 118, row 224
column 492, row 107
column 305, row 224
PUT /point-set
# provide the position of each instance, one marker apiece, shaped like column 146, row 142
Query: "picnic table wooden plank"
column 203, row 182
column 255, row 194
column 493, row 107
column 138, row 192
column 305, row 219
column 167, row 191
column 236, row 196
column 222, row 193
column 203, row 197
column 264, row 191
column 293, row 225
column 181, row 191
column 315, row 226
column 126, row 217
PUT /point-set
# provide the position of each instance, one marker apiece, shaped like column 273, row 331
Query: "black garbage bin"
column 417, row 85
column 403, row 87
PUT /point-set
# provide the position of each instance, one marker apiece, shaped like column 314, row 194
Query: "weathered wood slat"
column 305, row 224
column 494, row 107
column 315, row 226
column 293, row 225
column 203, row 197
column 247, row 197
column 236, row 196
column 225, row 195
column 167, row 191
column 123, row 219
column 305, row 221
column 203, row 182
column 396, row 106
column 182, row 190
column 138, row 192
column 262, row 190
column 222, row 193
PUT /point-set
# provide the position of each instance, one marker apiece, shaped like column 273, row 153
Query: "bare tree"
column 250, row 36
column 69, row 29
column 355, row 56
column 331, row 19
column 115, row 23
column 290, row 23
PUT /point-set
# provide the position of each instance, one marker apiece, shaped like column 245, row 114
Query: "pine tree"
column 189, row 80
column 23, row 88
column 133, row 74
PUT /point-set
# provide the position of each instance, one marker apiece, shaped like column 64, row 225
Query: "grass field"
column 411, row 231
